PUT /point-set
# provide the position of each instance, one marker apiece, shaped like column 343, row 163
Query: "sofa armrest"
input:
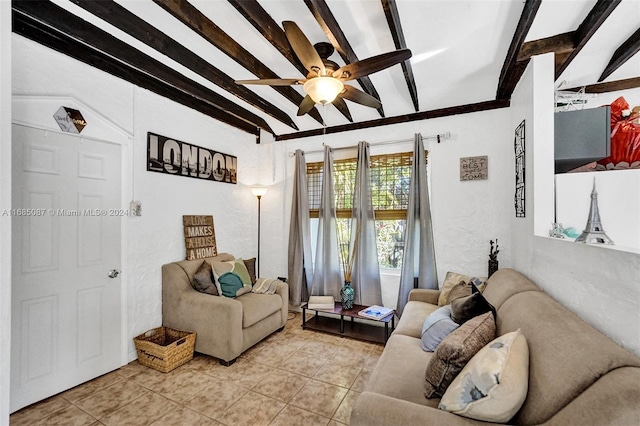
column 373, row 409
column 282, row 289
column 424, row 295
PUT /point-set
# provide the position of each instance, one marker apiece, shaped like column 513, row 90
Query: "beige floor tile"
column 281, row 385
column 344, row 410
column 335, row 423
column 141, row 412
column 351, row 357
column 338, row 374
column 109, row 399
column 38, row 411
column 68, row 416
column 319, row 348
column 252, row 409
column 184, row 416
column 294, row 416
column 183, row 385
column 303, row 363
column 91, row 387
column 273, row 356
column 320, row 398
column 216, row 398
column 362, row 379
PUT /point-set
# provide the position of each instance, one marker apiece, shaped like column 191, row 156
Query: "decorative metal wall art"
column 519, row 147
column 171, row 156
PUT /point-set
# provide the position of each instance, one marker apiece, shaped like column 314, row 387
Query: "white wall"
column 5, row 203
column 598, row 284
column 156, row 237
column 466, row 215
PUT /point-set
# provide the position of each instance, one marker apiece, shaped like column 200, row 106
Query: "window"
column 390, row 180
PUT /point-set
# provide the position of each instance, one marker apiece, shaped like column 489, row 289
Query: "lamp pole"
column 258, row 191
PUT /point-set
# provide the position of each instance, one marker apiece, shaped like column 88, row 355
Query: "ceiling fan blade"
column 273, row 81
column 372, row 64
column 303, row 48
column 306, row 105
column 339, row 103
column 360, row 97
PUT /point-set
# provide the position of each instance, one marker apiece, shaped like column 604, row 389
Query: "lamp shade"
column 259, row 191
column 323, row 89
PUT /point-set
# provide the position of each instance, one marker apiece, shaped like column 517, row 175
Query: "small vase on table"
column 347, row 295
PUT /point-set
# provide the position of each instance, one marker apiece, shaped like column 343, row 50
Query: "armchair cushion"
column 256, row 307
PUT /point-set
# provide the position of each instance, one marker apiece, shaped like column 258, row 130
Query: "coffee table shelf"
column 346, row 324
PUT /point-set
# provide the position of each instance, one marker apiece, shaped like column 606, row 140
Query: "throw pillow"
column 493, row 385
column 250, row 264
column 231, row 285
column 451, row 280
column 203, row 280
column 238, row 268
column 455, row 351
column 462, row 289
column 465, row 308
column 436, row 327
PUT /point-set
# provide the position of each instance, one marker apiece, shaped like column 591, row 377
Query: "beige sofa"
column 577, row 376
column 225, row 327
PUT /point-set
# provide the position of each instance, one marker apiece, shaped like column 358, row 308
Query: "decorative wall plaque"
column 519, row 148
column 199, row 237
column 70, row 120
column 171, row 156
column 474, row 168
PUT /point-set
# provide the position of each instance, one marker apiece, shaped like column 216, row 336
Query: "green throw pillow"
column 230, row 284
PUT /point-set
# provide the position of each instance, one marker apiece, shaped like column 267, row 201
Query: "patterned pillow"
column 436, row 327
column 451, row 280
column 493, row 385
column 231, row 285
column 203, row 280
column 455, row 351
column 465, row 308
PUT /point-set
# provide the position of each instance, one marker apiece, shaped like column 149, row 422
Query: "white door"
column 66, row 310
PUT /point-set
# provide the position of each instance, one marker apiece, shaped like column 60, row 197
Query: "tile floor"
column 291, row 378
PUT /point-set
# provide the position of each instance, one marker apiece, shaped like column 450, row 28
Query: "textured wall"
column 598, row 284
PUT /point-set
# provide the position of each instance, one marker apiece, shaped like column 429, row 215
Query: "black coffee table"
column 356, row 329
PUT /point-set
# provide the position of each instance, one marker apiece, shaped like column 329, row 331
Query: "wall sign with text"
column 171, row 156
column 474, row 168
column 199, row 236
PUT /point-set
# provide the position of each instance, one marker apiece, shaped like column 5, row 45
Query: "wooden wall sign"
column 199, row 237
column 474, row 168
column 171, row 156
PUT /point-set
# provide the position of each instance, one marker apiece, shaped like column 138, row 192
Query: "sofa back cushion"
column 505, row 283
column 566, row 355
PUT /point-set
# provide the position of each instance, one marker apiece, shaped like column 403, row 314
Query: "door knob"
column 113, row 273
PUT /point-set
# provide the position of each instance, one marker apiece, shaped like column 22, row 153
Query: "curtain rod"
column 438, row 137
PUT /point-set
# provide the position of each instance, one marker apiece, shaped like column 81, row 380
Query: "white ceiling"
column 459, row 47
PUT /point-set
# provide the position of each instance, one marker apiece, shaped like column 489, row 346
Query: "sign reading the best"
column 474, row 168
column 199, row 236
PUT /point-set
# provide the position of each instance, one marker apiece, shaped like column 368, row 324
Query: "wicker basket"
column 164, row 348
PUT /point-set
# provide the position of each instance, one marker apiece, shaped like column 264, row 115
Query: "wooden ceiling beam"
column 561, row 43
column 46, row 35
column 424, row 115
column 395, row 26
column 596, row 17
column 629, row 48
column 136, row 27
column 186, row 13
column 270, row 30
column 336, row 36
column 79, row 29
column 610, row 86
column 511, row 71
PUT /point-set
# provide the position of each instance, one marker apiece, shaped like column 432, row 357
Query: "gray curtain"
column 366, row 272
column 419, row 259
column 300, row 263
column 327, row 276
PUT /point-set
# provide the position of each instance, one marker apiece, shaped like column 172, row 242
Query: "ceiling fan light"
column 323, row 89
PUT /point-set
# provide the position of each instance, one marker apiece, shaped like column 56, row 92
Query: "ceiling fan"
column 325, row 81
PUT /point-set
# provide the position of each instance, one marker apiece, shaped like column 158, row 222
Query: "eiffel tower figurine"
column 594, row 233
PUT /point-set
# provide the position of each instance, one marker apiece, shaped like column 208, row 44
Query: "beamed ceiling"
column 466, row 55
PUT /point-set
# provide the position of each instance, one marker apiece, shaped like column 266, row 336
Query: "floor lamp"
column 258, row 191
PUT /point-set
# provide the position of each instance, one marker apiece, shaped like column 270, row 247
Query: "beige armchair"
column 225, row 327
